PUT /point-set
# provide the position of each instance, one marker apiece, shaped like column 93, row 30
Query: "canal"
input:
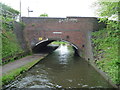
column 61, row 69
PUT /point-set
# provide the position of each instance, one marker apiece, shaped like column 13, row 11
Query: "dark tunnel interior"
column 45, row 48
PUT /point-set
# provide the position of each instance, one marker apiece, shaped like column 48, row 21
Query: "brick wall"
column 72, row 29
column 18, row 30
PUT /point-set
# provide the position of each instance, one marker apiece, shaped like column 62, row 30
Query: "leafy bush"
column 105, row 44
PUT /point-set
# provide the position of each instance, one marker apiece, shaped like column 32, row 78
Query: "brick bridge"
column 40, row 31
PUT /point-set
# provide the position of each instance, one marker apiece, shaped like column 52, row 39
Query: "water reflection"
column 63, row 49
column 61, row 69
column 63, row 54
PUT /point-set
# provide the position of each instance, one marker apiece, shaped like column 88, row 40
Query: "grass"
column 59, row 42
column 105, row 44
column 6, row 78
column 10, row 46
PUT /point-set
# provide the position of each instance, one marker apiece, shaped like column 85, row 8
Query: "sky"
column 54, row 8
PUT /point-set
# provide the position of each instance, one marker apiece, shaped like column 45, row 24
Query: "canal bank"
column 61, row 69
column 106, row 77
column 12, row 70
column 102, row 73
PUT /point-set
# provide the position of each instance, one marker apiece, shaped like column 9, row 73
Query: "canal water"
column 61, row 69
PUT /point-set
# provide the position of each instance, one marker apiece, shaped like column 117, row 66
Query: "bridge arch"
column 43, row 44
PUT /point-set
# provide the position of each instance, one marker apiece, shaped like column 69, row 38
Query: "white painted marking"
column 42, row 41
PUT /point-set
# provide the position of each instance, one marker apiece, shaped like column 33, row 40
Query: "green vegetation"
column 44, row 15
column 0, row 49
column 106, row 52
column 105, row 42
column 8, row 8
column 10, row 46
column 6, row 78
column 8, row 16
column 59, row 42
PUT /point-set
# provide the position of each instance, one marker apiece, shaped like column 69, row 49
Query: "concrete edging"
column 37, row 62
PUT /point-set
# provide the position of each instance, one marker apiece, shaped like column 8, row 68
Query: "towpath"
column 18, row 63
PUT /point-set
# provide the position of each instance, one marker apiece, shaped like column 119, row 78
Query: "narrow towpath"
column 18, row 63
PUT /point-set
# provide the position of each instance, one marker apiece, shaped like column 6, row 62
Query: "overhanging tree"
column 8, row 15
column 109, row 11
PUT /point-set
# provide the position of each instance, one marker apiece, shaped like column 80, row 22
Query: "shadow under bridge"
column 42, row 46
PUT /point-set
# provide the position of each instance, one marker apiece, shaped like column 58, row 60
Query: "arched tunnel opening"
column 48, row 46
column 42, row 47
